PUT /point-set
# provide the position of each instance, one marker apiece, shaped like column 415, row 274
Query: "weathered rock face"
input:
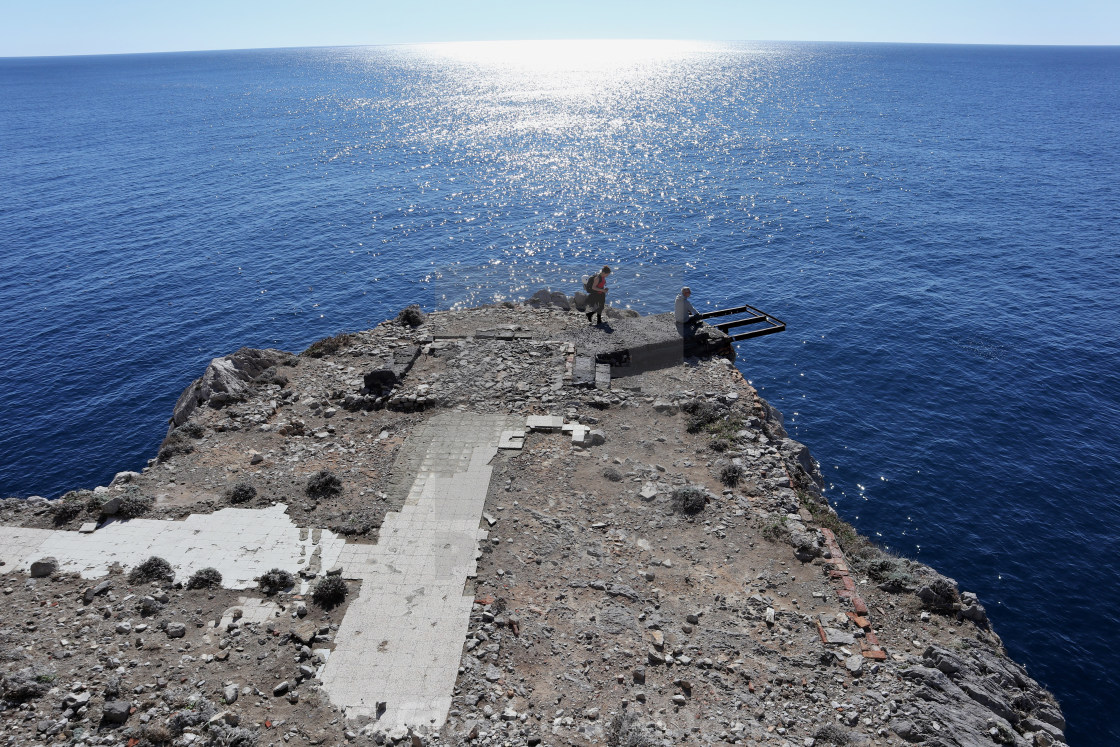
column 226, row 380
column 980, row 697
column 798, row 456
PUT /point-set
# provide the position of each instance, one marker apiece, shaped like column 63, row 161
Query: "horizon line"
column 603, row 39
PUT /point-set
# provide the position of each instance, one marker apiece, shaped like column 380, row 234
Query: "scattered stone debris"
column 659, row 565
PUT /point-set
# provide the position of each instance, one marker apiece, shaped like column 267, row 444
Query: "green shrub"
column 329, row 592
column 154, row 568
column 832, row 734
column 222, row 735
column 775, row 528
column 205, row 578
column 67, row 508
column 276, row 580
column 271, row 376
column 179, row 440
column 701, row 414
column 241, row 492
column 411, row 316
column 330, row 345
column 134, row 505
column 612, row 474
column 689, row 500
column 191, row 430
column 322, row 485
column 730, row 474
column 625, row 731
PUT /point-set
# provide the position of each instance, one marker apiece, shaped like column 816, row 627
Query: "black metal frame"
column 774, row 324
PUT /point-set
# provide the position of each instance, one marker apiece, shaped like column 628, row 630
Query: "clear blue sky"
column 55, row 27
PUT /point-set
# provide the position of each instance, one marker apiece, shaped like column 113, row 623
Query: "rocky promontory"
column 655, row 563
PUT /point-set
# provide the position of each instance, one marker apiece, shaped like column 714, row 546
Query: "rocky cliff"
column 661, row 567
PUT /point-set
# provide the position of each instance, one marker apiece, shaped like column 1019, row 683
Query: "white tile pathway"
column 401, row 640
column 241, row 543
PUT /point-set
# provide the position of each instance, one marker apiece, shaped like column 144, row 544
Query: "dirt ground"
column 677, row 583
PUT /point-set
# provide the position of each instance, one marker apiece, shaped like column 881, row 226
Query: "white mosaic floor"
column 401, row 640
column 241, row 543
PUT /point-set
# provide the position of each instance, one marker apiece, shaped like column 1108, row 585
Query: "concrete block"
column 544, row 422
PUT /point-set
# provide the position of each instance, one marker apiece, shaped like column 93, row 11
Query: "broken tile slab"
column 544, row 422
column 583, row 371
column 603, row 376
column 250, row 610
column 512, row 440
column 88, row 528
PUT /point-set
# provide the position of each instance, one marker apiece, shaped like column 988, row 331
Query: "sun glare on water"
column 555, row 56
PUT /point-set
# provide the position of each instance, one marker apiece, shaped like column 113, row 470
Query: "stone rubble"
column 661, row 567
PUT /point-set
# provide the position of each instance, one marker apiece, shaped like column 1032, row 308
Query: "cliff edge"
column 486, row 526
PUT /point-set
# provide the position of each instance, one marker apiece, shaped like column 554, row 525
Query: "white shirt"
column 684, row 309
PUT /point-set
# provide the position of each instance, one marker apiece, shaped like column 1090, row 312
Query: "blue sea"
column 937, row 225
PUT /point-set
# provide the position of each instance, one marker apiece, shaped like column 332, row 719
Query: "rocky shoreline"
column 664, row 570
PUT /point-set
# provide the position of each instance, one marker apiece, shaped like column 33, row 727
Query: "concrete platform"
column 634, row 345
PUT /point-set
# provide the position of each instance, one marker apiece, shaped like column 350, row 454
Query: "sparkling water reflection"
column 933, row 223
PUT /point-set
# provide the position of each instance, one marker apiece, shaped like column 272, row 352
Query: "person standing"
column 597, row 298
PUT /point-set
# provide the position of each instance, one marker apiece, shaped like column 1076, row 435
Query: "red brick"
column 860, row 621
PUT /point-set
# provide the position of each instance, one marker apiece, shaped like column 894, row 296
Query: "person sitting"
column 686, row 314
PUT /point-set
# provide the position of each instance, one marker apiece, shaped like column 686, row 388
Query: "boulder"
column 579, row 300
column 560, row 301
column 123, row 478
column 226, row 380
column 971, row 609
column 116, row 711
column 112, row 506
column 543, row 297
column 380, row 380
column 44, row 567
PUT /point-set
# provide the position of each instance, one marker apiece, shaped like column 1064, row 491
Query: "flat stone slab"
column 252, row 610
